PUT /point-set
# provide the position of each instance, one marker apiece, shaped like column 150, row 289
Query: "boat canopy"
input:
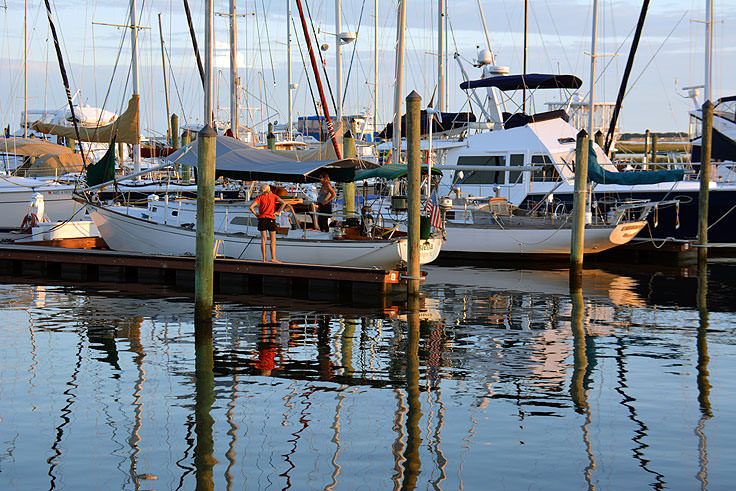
column 530, row 81
column 238, row 160
column 126, row 128
column 392, row 171
column 600, row 175
column 50, row 159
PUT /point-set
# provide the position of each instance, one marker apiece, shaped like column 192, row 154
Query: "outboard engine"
column 366, row 221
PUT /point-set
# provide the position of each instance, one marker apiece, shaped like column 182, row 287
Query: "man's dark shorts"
column 267, row 224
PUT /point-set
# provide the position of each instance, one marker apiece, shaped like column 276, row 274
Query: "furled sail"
column 126, row 129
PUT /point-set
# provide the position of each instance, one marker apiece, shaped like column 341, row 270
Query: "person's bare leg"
column 273, row 247
column 264, row 235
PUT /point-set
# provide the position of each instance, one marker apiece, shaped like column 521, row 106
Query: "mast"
column 593, row 45
column 398, row 86
column 338, row 59
column 375, row 68
column 25, row 68
column 209, row 53
column 166, row 83
column 288, row 67
column 134, row 69
column 625, row 79
column 234, row 79
column 318, row 79
column 523, row 81
column 708, row 82
column 441, row 55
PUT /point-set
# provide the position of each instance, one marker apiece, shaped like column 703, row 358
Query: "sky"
column 97, row 56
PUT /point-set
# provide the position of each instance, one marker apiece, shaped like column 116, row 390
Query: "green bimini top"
column 392, row 171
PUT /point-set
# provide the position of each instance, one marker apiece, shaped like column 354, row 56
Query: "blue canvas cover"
column 600, row 175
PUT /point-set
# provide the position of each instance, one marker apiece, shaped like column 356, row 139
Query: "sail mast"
column 338, row 59
column 166, row 83
column 134, row 69
column 441, row 55
column 288, row 68
column 234, row 79
column 593, row 45
column 398, row 86
column 708, row 82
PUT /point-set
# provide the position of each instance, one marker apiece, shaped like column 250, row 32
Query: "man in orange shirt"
column 267, row 218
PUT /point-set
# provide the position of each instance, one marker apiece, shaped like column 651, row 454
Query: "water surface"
column 503, row 380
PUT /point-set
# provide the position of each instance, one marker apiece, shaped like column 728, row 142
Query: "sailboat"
column 168, row 228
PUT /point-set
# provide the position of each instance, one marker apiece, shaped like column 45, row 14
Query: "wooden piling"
column 653, row 158
column 175, row 130
column 204, row 263
column 271, row 138
column 348, row 189
column 599, row 138
column 413, row 158
column 647, row 139
column 577, row 241
column 706, row 140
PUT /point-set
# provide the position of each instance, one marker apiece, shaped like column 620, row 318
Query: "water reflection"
column 278, row 397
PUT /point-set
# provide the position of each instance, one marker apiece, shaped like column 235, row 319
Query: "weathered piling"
column 413, row 159
column 271, row 138
column 348, row 189
column 577, row 241
column 706, row 139
column 653, row 157
column 647, row 139
column 175, row 130
column 599, row 138
column 204, row 264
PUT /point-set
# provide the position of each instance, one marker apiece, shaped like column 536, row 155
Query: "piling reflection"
column 412, row 463
column 204, row 398
column 702, row 375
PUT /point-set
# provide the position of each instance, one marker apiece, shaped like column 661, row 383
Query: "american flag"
column 432, row 208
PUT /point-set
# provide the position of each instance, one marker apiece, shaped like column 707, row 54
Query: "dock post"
column 599, row 138
column 271, row 138
column 705, row 150
column 653, row 158
column 413, row 159
column 348, row 189
column 204, row 262
column 174, row 131
column 577, row 241
column 647, row 138
column 186, row 171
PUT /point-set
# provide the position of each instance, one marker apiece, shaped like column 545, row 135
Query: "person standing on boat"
column 266, row 202
column 325, row 197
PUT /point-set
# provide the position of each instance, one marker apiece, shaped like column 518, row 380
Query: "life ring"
column 29, row 221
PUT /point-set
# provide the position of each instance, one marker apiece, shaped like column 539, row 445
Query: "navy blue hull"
column 668, row 221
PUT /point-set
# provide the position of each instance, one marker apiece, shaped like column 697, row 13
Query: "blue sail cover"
column 530, row 81
column 600, row 175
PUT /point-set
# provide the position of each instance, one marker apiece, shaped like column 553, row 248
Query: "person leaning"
column 267, row 213
column 325, row 197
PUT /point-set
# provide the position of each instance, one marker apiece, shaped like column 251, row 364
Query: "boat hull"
column 489, row 239
column 130, row 234
column 15, row 196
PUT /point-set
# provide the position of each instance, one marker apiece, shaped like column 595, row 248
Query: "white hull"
column 488, row 239
column 126, row 233
column 17, row 193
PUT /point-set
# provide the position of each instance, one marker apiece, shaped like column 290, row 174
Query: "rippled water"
column 502, row 381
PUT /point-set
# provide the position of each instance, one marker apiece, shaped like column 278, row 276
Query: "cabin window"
column 481, row 177
column 546, row 173
column 516, row 159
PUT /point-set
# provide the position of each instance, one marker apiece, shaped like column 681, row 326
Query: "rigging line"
column 352, row 57
column 657, row 52
column 306, row 71
column 322, row 60
column 176, row 86
column 64, row 78
column 268, row 40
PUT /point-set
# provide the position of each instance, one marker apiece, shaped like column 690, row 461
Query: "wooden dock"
column 339, row 284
